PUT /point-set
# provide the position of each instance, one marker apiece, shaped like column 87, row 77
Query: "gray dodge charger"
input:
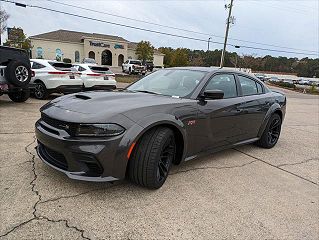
column 170, row 116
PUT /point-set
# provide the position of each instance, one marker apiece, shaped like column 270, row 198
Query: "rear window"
column 136, row 62
column 61, row 66
column 100, row 69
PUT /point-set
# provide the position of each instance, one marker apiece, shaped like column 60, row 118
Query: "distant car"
column 89, row 61
column 303, row 82
column 149, row 66
column 261, row 76
column 274, row 79
column 132, row 66
column 15, row 73
column 165, row 118
column 54, row 77
column 288, row 81
column 96, row 77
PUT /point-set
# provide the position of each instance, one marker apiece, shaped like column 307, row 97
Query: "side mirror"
column 213, row 94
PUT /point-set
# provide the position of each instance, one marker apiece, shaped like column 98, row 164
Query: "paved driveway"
column 242, row 193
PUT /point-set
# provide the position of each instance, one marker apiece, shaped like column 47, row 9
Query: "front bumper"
column 81, row 159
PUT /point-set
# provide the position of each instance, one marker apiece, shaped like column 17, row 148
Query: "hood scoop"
column 83, row 97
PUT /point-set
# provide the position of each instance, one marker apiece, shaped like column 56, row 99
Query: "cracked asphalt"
column 242, row 193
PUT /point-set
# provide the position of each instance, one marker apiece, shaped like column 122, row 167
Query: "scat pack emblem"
column 191, row 122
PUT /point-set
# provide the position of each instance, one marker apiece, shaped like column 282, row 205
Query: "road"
column 241, row 193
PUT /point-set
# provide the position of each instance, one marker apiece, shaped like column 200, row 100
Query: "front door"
column 222, row 118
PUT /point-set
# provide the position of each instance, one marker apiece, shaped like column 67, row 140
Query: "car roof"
column 212, row 69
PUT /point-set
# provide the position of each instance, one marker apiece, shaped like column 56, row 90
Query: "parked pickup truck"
column 15, row 73
column 132, row 66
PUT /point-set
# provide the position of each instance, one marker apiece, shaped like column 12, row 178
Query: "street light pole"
column 208, row 43
column 226, row 34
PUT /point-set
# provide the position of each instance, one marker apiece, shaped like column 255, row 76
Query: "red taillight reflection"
column 58, row 73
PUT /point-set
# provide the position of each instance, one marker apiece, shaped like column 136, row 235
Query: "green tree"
column 144, row 51
column 179, row 58
column 19, row 39
column 3, row 20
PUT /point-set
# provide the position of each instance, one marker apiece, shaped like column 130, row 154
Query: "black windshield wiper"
column 146, row 91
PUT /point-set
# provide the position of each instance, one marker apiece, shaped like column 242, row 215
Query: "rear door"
column 222, row 118
column 255, row 106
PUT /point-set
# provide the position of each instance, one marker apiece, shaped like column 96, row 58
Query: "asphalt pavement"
column 241, row 193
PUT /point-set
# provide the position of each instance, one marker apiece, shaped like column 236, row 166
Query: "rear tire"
column 271, row 134
column 40, row 91
column 152, row 158
column 19, row 96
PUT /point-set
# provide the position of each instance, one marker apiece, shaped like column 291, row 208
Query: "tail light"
column 95, row 74
column 32, row 73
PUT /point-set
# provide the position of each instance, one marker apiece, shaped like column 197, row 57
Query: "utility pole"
column 226, row 34
column 208, row 43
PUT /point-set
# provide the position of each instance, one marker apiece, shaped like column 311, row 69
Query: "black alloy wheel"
column 274, row 131
column 271, row 134
column 40, row 91
column 166, row 158
column 152, row 157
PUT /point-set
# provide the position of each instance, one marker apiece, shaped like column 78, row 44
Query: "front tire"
column 271, row 134
column 40, row 91
column 152, row 158
column 19, row 96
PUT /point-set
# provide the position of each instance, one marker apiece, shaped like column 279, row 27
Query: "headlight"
column 99, row 130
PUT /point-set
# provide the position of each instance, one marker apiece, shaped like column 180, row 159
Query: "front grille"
column 55, row 158
column 68, row 127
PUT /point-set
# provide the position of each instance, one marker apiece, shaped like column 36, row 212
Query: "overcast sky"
column 291, row 24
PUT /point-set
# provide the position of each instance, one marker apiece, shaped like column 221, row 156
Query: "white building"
column 105, row 49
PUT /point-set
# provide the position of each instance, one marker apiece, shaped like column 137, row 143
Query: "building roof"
column 76, row 37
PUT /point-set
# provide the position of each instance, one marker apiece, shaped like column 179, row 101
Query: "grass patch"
column 127, row 78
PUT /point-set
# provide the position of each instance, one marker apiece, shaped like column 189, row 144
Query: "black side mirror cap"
column 213, row 94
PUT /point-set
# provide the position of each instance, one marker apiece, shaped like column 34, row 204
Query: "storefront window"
column 58, row 54
column 77, row 56
column 40, row 52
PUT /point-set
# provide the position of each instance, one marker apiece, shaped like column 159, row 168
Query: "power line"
column 149, row 30
column 175, row 28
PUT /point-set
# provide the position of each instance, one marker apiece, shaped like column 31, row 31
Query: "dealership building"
column 105, row 49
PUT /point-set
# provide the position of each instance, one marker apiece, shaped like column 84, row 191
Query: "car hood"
column 101, row 106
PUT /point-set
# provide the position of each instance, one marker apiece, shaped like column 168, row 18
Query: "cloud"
column 292, row 24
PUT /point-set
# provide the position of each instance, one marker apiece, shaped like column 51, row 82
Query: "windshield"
column 173, row 82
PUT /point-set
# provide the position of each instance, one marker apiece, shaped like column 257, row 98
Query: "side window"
column 248, row 86
column 259, row 88
column 224, row 82
column 37, row 66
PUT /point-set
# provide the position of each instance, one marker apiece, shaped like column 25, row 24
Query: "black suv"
column 15, row 73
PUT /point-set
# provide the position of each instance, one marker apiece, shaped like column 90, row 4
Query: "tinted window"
column 224, row 82
column 37, row 65
column 248, row 86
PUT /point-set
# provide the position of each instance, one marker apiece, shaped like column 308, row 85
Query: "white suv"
column 96, row 77
column 133, row 66
column 54, row 77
